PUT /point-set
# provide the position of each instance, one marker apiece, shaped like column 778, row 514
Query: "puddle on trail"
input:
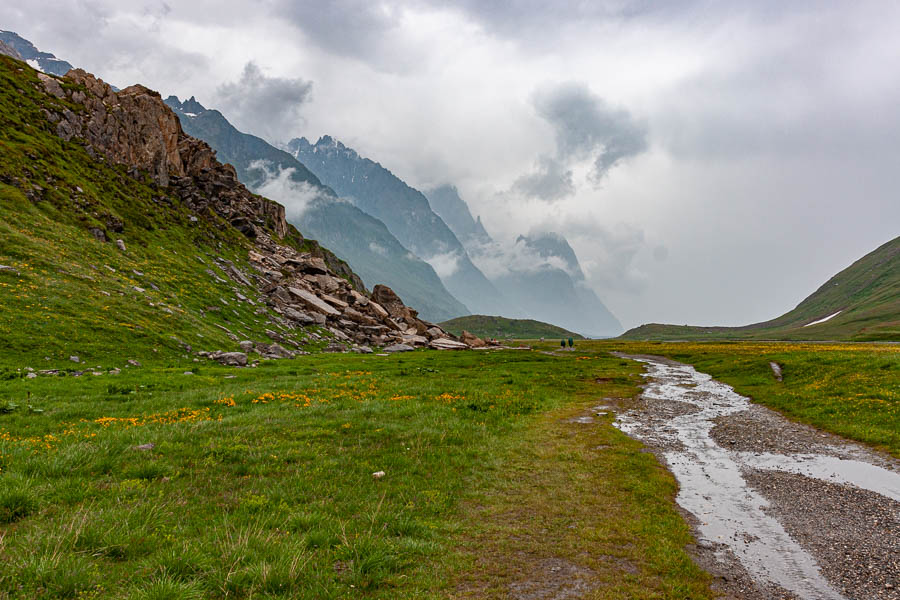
column 712, row 486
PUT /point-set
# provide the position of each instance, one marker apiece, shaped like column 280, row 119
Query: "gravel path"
column 780, row 510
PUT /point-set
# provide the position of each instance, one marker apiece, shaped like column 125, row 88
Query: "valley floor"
column 503, row 476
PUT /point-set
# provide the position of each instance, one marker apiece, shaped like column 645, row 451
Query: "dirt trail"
column 781, row 510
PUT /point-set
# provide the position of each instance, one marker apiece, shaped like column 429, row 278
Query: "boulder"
column 51, row 85
column 311, row 265
column 358, row 298
column 231, row 359
column 274, row 350
column 335, row 347
column 415, row 340
column 391, row 302
column 334, row 301
column 447, row 344
column 399, row 348
column 379, row 310
column 312, row 301
column 472, row 340
column 296, row 315
column 361, row 349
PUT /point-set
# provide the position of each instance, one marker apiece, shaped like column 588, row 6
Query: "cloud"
column 377, row 248
column 612, row 262
column 354, row 28
column 278, row 185
column 445, row 265
column 585, row 126
column 263, row 105
column 498, row 259
column 550, row 181
column 661, row 253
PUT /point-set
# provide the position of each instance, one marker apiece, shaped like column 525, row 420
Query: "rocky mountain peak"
column 189, row 107
column 25, row 50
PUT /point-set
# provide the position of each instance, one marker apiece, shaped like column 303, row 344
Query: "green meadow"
column 240, row 483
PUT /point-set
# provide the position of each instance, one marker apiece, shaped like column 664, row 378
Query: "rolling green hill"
column 501, row 327
column 861, row 303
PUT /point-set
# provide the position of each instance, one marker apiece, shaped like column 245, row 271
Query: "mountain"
column 544, row 275
column 406, row 213
column 861, row 303
column 42, row 61
column 553, row 289
column 352, row 234
column 445, row 201
column 561, row 274
column 128, row 239
column 500, row 327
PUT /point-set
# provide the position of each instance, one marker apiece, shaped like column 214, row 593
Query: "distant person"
column 562, row 343
column 571, row 342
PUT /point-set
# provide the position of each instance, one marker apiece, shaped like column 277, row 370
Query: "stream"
column 682, row 406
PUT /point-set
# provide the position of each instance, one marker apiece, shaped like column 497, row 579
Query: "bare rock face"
column 134, row 127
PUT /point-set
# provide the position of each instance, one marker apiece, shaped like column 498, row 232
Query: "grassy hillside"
column 64, row 292
column 501, row 327
column 865, row 296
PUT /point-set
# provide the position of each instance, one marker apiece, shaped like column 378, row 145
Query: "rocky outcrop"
column 134, row 127
column 471, row 340
column 298, row 286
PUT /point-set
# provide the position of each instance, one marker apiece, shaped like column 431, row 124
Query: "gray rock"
column 232, row 359
column 274, row 350
column 447, row 344
column 314, row 302
column 30, row 376
column 776, row 370
column 335, row 347
column 133, row 362
column 120, row 244
column 51, row 85
column 296, row 315
column 399, row 348
column 246, row 346
column 75, row 359
column 361, row 349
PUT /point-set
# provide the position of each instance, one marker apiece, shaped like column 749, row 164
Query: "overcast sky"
column 711, row 163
